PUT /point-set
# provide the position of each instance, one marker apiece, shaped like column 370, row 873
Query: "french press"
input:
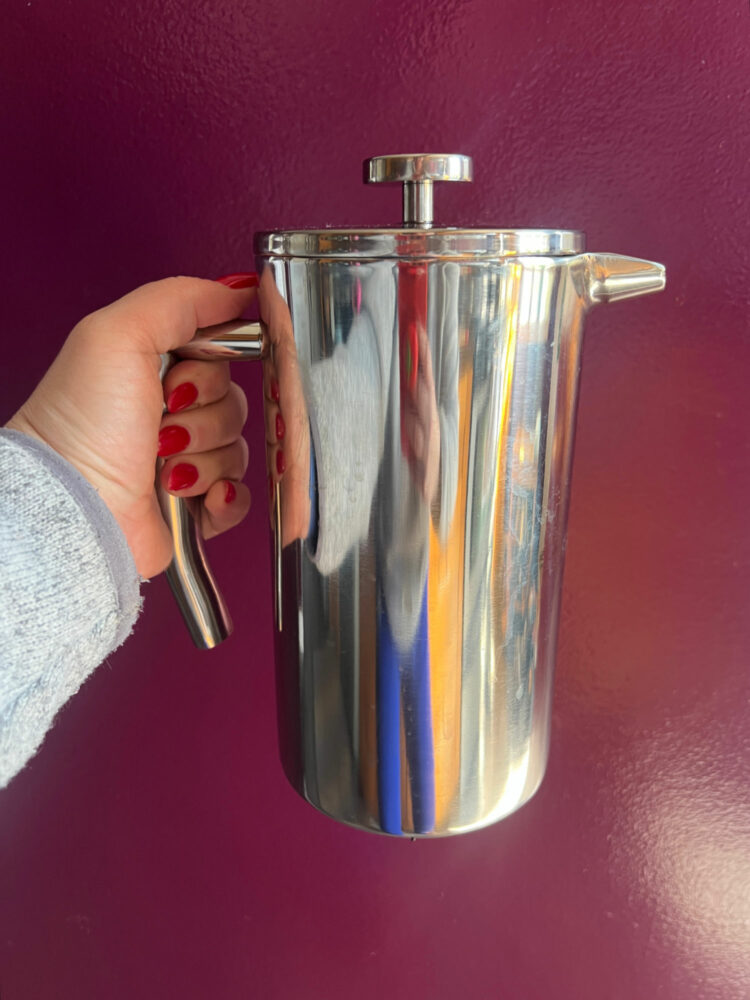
column 432, row 375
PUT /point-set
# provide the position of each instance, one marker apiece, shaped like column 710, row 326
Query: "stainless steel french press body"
column 432, row 375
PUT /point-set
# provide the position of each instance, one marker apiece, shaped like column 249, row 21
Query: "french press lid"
column 417, row 236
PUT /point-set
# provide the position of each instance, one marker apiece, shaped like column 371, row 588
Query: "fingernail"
column 280, row 462
column 245, row 279
column 229, row 492
column 182, row 477
column 280, row 427
column 172, row 439
column 275, row 395
column 184, row 395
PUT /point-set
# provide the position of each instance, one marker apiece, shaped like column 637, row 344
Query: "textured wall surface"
column 153, row 848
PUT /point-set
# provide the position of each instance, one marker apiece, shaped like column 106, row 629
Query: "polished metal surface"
column 278, row 579
column 190, row 578
column 193, row 585
column 418, row 172
column 418, row 204
column 428, row 383
column 421, row 606
column 416, row 167
column 611, row 277
column 237, row 340
column 459, row 244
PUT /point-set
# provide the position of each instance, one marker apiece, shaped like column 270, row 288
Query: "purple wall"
column 153, row 849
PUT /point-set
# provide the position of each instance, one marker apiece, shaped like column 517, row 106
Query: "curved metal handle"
column 417, row 172
column 193, row 585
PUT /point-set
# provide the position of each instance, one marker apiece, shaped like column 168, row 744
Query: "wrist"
column 22, row 422
column 19, row 422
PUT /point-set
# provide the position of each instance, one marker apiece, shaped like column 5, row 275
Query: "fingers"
column 165, row 314
column 224, row 506
column 195, row 383
column 287, row 428
column 190, row 475
column 200, row 441
column 274, row 422
column 204, row 428
column 288, row 441
column 202, row 444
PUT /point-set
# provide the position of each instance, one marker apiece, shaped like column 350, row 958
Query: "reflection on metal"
column 428, row 593
column 418, row 173
column 277, row 566
column 428, row 380
column 237, row 340
column 190, row 578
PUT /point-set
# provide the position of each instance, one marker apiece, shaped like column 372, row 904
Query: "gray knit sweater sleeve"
column 69, row 591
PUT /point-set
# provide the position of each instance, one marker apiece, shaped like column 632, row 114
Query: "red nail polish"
column 280, row 462
column 245, row 279
column 275, row 395
column 280, row 427
column 229, row 492
column 181, row 397
column 171, row 440
column 182, row 477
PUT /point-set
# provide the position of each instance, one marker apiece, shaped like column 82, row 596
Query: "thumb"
column 164, row 315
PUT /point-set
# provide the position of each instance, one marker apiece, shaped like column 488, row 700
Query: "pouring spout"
column 612, row 277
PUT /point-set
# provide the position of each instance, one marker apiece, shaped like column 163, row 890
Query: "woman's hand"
column 101, row 406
